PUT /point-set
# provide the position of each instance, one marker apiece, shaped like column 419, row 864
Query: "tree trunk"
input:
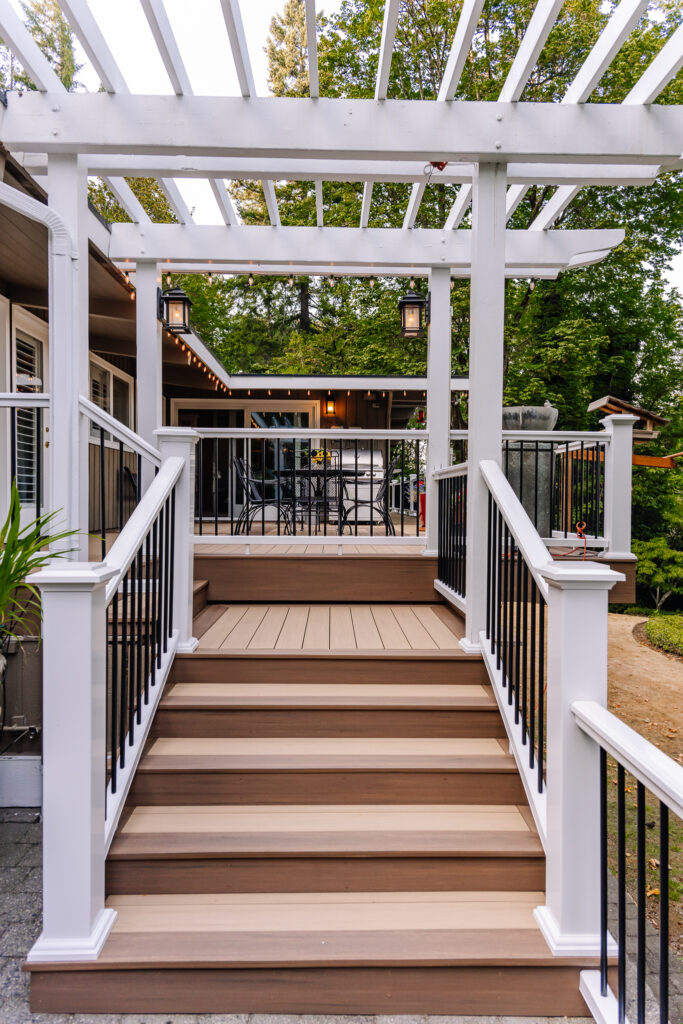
column 305, row 312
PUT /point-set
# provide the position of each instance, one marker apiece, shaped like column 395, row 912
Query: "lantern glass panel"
column 411, row 318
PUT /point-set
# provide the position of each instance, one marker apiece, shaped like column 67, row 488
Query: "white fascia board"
column 301, row 381
column 462, row 43
column 345, row 170
column 207, row 357
column 24, row 47
column 386, row 48
column 98, row 234
column 415, row 130
column 302, row 247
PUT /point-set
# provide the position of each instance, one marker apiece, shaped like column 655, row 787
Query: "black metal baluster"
column 355, row 483
column 132, row 658
column 403, row 483
column 541, row 689
column 167, row 548
column 125, row 710
column 640, row 902
column 139, row 641
column 372, row 487
column 148, row 614
column 511, row 610
column 155, row 593
column 277, row 482
column 120, row 486
column 215, row 486
column 417, row 488
column 325, row 496
column 518, row 628
column 489, row 544
column 524, row 644
column 503, row 646
column 536, row 489
column 532, row 675
column 603, row 872
column 138, row 481
column 103, row 502
column 663, row 913
column 499, row 583
column 160, row 586
column 200, row 484
column 171, row 569
column 114, row 687
column 39, row 459
column 621, row 887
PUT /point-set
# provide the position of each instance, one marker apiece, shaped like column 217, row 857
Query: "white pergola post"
column 577, row 670
column 75, row 921
column 438, row 397
column 181, row 441
column 618, row 473
column 484, row 421
column 69, row 354
column 149, row 405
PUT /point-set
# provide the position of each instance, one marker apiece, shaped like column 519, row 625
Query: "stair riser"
column 339, row 723
column 520, row 991
column 326, row 874
column 311, row 787
column 197, row 668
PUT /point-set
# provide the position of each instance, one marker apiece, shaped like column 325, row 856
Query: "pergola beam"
column 373, row 247
column 555, row 207
column 312, row 46
column 238, row 44
column 271, row 202
column 319, row 208
column 175, row 200
column 166, row 43
column 459, row 207
column 549, row 271
column 127, row 199
column 533, row 41
column 386, row 49
column 225, row 204
column 660, row 72
column 329, row 129
column 610, row 41
column 256, row 169
column 29, row 54
column 82, row 21
column 462, row 43
column 414, row 204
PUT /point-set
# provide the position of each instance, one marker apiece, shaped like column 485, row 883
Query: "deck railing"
column 654, row 773
column 351, row 485
column 25, row 412
column 110, row 632
column 119, row 460
column 452, row 535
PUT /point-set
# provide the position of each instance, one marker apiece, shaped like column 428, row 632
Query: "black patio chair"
column 255, row 503
column 379, row 503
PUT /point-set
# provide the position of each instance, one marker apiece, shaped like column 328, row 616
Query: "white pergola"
column 493, row 151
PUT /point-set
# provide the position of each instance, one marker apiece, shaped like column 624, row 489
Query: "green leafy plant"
column 22, row 551
column 666, row 632
column 660, row 569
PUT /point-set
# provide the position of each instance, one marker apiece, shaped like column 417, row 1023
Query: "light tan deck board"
column 266, row 636
column 326, row 746
column 216, row 635
column 317, row 635
column 342, row 634
column 416, row 634
column 393, row 637
column 442, row 636
column 238, row 638
column 365, row 629
column 292, row 633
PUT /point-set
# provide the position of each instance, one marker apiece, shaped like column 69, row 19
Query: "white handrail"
column 24, row 400
column 658, row 772
column 306, row 433
column 127, row 544
column 450, row 471
column 122, row 433
column 529, row 542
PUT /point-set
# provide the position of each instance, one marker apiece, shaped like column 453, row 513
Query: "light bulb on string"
column 251, row 280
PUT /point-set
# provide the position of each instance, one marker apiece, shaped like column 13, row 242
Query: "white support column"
column 577, row 670
column 487, row 316
column 149, row 393
column 181, row 441
column 438, row 397
column 75, row 921
column 618, row 472
column 69, row 353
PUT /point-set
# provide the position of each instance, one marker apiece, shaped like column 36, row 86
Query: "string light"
column 132, row 296
column 331, row 280
column 126, row 277
column 210, row 278
column 452, row 283
column 412, row 282
column 251, row 280
column 168, row 279
column 291, row 280
column 372, row 281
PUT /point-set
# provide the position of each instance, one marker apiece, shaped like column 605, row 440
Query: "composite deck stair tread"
column 326, row 754
column 328, row 695
column 360, row 830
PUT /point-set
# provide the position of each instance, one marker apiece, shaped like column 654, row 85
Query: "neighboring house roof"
column 648, row 421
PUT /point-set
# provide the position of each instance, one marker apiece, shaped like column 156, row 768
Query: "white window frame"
column 248, row 404
column 26, row 323
column 113, row 371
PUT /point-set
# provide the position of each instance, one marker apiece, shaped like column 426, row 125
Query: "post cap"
column 185, row 434
column 581, row 576
column 72, row 575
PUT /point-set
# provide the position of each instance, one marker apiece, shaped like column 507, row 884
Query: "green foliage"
column 666, row 632
column 146, row 190
column 53, row 34
column 22, row 551
column 659, row 569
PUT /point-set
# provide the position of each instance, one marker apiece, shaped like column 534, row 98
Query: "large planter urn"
column 528, row 465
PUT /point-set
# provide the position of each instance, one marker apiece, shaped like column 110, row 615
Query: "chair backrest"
column 246, row 478
column 383, row 489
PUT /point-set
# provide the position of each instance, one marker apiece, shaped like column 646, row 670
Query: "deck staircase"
column 323, row 831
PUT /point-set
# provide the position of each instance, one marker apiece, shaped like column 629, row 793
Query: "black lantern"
column 174, row 310
column 414, row 309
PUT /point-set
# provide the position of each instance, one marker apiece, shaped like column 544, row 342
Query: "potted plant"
column 23, row 550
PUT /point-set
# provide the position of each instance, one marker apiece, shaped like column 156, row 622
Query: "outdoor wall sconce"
column 414, row 310
column 174, row 310
column 329, row 407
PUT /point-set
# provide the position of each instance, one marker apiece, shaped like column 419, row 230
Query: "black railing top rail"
column 656, row 770
column 127, row 544
column 529, row 542
column 119, row 431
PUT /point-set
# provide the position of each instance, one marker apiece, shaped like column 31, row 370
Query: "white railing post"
column 576, row 670
column 181, row 441
column 618, row 470
column 75, row 921
column 438, row 398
